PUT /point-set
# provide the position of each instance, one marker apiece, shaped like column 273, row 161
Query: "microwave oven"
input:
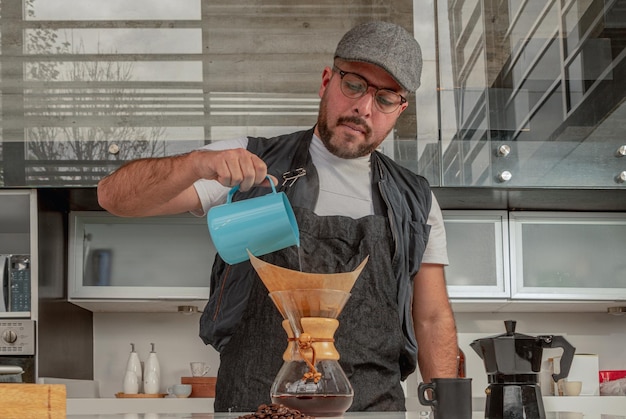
column 15, row 283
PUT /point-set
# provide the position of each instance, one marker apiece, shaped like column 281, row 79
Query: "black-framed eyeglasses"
column 355, row 86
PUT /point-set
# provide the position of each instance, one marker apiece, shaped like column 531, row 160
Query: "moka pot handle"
column 566, row 359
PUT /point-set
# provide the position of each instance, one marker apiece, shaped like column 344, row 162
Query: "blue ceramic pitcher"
column 262, row 225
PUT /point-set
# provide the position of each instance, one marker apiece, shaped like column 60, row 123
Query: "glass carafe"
column 311, row 379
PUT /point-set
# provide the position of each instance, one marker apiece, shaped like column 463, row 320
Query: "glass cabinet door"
column 139, row 258
column 478, row 254
column 577, row 256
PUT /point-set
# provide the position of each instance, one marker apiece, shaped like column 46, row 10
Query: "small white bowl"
column 182, row 391
column 572, row 388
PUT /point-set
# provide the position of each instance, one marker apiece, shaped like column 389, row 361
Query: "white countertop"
column 355, row 415
column 591, row 407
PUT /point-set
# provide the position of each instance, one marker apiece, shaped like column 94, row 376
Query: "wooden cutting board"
column 32, row 401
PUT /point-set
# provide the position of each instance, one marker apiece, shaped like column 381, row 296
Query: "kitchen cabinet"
column 138, row 264
column 563, row 255
column 478, row 254
column 18, row 254
column 521, row 260
column 499, row 260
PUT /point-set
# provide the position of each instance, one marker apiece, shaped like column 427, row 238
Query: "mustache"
column 356, row 121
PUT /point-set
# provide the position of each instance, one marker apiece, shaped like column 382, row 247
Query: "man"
column 350, row 202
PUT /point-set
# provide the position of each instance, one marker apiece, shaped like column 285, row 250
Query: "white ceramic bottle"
column 131, row 384
column 152, row 373
column 133, row 365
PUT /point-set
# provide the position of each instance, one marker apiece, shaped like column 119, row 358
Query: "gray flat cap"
column 386, row 45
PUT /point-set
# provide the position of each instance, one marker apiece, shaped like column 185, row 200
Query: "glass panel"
column 575, row 82
column 472, row 96
column 93, row 106
column 112, row 9
column 473, row 43
column 468, row 8
column 515, row 112
column 530, row 15
column 88, row 84
column 546, row 107
column 579, row 18
column 515, row 5
column 536, row 158
column 154, row 77
column 468, row 162
column 475, row 265
column 573, row 255
column 116, row 41
column 543, row 74
column 593, row 62
column 147, row 254
column 541, row 47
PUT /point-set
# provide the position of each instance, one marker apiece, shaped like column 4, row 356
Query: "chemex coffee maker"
column 513, row 362
column 310, row 379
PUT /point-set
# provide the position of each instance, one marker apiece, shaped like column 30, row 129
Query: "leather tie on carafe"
column 305, row 342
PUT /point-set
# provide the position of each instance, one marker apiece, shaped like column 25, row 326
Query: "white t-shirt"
column 344, row 190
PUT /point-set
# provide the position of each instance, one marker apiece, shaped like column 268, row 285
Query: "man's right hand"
column 160, row 186
column 232, row 167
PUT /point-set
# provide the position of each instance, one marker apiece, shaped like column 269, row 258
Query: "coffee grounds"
column 276, row 411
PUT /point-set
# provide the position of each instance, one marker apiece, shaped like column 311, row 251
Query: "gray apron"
column 369, row 338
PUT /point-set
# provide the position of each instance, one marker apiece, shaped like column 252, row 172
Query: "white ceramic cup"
column 181, row 391
column 572, row 388
column 199, row 369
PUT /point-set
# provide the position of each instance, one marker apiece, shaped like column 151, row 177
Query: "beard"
column 339, row 147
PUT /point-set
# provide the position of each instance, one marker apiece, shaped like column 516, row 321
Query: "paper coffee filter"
column 277, row 278
column 295, row 304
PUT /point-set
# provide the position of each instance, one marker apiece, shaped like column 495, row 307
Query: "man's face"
column 351, row 128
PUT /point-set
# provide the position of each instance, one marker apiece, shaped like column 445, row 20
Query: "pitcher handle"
column 421, row 391
column 236, row 188
column 566, row 359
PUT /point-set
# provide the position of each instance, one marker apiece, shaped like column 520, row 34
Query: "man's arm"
column 158, row 186
column 435, row 328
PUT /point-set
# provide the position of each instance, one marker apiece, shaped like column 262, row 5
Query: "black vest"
column 401, row 195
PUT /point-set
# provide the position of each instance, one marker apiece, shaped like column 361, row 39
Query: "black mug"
column 451, row 398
